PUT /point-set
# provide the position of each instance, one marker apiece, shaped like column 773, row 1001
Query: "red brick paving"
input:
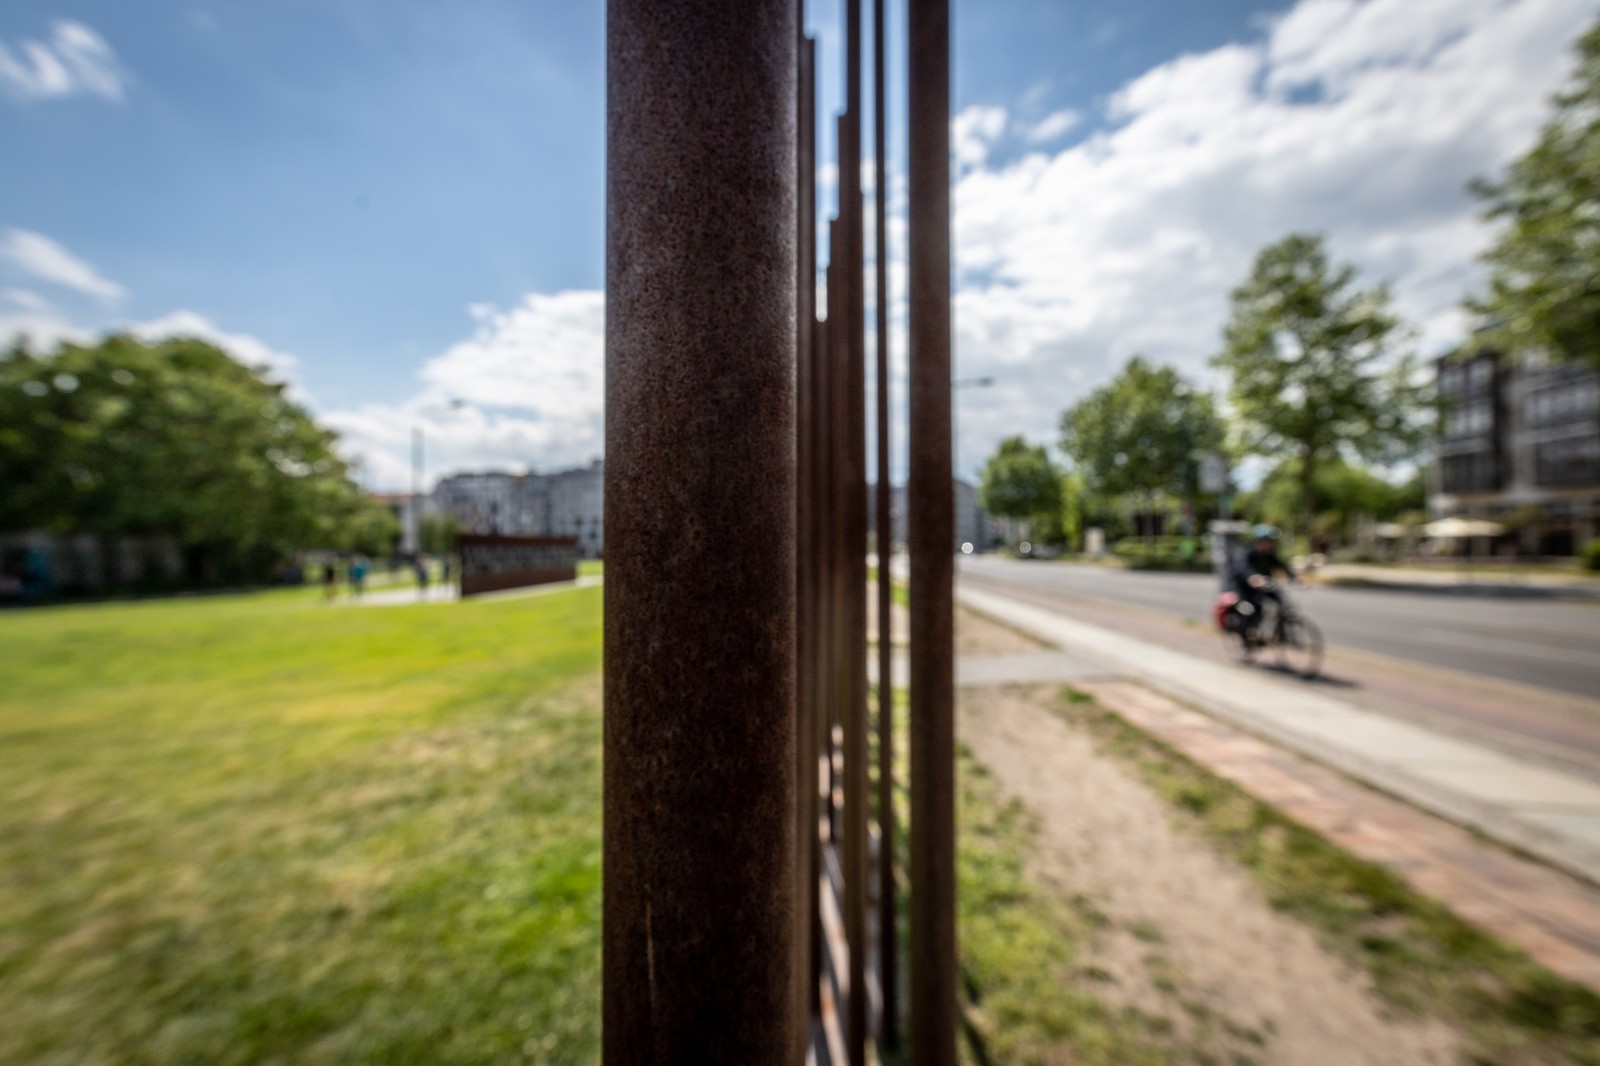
column 1551, row 916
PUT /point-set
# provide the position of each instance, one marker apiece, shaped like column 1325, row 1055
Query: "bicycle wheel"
column 1300, row 646
column 1239, row 647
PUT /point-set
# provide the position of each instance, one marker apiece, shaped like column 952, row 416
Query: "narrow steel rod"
column 930, row 508
column 857, row 787
column 699, row 641
column 839, row 490
column 888, row 935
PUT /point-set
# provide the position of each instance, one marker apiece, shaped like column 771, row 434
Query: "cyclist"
column 1253, row 578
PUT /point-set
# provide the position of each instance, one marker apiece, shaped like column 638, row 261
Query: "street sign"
column 1213, row 473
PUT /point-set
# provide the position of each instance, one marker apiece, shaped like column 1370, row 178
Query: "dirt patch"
column 1187, row 938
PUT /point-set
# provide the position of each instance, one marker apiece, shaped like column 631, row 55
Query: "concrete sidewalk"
column 1491, row 580
column 451, row 593
column 1546, row 813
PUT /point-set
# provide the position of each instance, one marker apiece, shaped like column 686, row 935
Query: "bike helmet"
column 1264, row 532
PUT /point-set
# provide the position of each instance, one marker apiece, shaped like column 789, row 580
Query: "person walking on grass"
column 330, row 581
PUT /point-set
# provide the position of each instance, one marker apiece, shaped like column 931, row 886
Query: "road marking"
column 1505, row 647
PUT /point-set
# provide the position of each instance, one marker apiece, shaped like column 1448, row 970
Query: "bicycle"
column 1294, row 638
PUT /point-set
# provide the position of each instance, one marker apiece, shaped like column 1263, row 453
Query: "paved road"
column 1543, row 642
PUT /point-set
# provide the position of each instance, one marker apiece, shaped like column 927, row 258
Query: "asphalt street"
column 1533, row 640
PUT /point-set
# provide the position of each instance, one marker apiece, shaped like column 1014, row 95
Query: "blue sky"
column 400, row 204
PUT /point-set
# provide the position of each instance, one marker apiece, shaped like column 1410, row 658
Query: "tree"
column 1139, row 435
column 1544, row 281
column 1314, row 367
column 439, row 532
column 1020, row 482
column 1344, row 492
column 177, row 438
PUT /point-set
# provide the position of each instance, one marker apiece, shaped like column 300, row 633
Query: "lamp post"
column 454, row 403
column 955, row 440
column 416, row 490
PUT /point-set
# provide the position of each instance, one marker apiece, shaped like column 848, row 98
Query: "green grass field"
column 257, row 828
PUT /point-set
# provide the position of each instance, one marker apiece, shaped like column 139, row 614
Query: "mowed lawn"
column 257, row 828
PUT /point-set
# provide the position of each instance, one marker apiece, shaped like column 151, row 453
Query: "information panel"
column 490, row 562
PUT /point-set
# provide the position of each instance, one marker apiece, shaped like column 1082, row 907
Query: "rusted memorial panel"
column 491, row 562
column 700, row 581
column 930, row 529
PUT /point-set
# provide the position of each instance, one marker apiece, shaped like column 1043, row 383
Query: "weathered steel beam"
column 857, row 868
column 806, row 863
column 837, row 485
column 700, row 585
column 888, row 940
column 931, row 535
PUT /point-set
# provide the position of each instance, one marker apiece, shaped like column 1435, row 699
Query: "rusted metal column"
column 838, row 649
column 805, row 863
column 700, row 585
column 857, row 865
column 834, row 426
column 888, row 938
column 930, row 529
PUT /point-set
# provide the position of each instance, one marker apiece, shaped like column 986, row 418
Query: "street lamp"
column 955, row 449
column 962, row 383
column 454, row 403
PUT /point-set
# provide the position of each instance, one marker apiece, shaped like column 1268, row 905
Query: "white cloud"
column 39, row 257
column 1054, row 125
column 39, row 328
column 25, row 299
column 974, row 132
column 250, row 350
column 76, row 61
column 1361, row 119
column 524, row 391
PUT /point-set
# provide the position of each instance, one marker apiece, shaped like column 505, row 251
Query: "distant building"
column 1519, row 443
column 484, row 503
column 973, row 525
column 575, row 506
column 565, row 503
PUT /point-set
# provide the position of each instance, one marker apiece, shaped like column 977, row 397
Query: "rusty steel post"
column 805, row 862
column 888, row 939
column 857, row 782
column 700, row 586
column 838, row 651
column 931, row 534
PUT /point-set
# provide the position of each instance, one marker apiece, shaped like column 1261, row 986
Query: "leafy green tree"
column 1314, row 366
column 1020, row 482
column 438, row 533
column 173, row 437
column 1343, row 493
column 1544, row 281
column 1139, row 434
column 371, row 531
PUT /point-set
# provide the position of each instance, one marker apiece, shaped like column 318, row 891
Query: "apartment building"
column 1519, row 444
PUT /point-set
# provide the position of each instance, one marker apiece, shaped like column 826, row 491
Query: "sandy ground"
column 1188, row 936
